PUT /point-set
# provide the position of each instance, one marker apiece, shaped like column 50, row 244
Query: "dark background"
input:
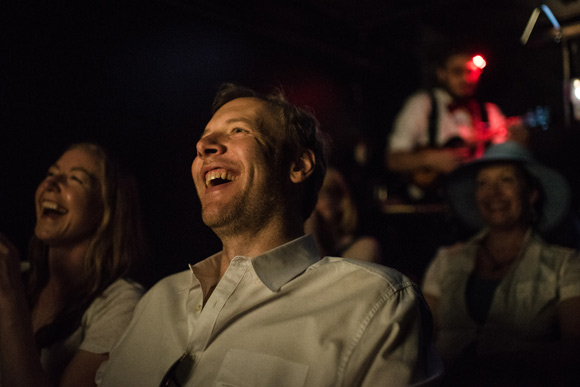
column 139, row 76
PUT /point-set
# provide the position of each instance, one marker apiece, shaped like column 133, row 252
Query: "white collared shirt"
column 284, row 318
column 411, row 125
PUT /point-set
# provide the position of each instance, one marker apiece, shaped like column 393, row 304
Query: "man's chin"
column 216, row 221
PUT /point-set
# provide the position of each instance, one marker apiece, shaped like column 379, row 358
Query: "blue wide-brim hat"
column 556, row 194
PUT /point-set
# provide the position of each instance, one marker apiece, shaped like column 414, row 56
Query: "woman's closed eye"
column 77, row 179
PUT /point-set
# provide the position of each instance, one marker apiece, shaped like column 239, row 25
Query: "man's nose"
column 210, row 144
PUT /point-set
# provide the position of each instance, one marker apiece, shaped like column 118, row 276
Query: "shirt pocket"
column 251, row 369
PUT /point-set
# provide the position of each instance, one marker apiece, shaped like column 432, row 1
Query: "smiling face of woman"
column 69, row 201
column 503, row 196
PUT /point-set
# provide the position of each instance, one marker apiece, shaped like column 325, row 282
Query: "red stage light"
column 479, row 61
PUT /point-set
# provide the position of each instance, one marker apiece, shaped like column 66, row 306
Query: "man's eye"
column 77, row 179
column 239, row 130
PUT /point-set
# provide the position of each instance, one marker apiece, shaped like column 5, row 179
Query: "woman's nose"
column 494, row 187
column 52, row 182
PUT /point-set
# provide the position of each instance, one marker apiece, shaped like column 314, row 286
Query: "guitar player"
column 436, row 130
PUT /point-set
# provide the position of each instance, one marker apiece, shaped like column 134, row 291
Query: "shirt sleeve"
column 411, row 123
column 108, row 316
column 570, row 277
column 399, row 339
column 432, row 279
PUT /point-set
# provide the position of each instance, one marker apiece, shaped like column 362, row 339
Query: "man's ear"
column 302, row 168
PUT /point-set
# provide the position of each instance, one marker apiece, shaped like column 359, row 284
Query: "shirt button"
column 198, row 308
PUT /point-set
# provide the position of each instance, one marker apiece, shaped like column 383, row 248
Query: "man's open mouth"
column 217, row 177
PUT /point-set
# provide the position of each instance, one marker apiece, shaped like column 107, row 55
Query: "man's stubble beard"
column 245, row 213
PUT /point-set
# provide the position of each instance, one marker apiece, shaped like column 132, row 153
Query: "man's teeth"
column 52, row 206
column 217, row 176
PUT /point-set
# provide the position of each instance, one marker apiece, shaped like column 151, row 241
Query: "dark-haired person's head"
column 457, row 71
column 268, row 152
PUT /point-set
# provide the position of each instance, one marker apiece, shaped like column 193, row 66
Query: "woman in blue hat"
column 506, row 304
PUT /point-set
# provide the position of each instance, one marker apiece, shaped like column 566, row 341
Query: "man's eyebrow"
column 239, row 119
column 230, row 121
column 256, row 124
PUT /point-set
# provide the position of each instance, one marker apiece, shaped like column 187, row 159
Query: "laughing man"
column 266, row 310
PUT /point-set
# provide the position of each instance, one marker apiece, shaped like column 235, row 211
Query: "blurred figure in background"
column 58, row 325
column 506, row 304
column 334, row 223
column 439, row 129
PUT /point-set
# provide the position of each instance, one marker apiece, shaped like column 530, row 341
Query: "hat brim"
column 460, row 188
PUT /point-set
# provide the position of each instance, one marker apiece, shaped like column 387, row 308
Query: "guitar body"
column 429, row 179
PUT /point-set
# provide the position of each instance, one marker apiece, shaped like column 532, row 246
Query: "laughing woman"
column 506, row 304
column 59, row 324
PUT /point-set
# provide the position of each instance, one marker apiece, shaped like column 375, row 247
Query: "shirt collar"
column 278, row 266
column 274, row 268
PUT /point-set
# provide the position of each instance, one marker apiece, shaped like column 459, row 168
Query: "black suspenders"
column 434, row 118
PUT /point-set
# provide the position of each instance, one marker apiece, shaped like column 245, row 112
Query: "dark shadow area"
column 139, row 77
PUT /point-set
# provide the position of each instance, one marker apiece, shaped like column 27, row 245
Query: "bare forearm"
column 403, row 162
column 19, row 359
column 437, row 160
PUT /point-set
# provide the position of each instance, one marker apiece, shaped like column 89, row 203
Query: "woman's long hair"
column 118, row 244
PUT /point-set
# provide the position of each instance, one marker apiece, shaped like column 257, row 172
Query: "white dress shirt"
column 284, row 318
column 411, row 125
